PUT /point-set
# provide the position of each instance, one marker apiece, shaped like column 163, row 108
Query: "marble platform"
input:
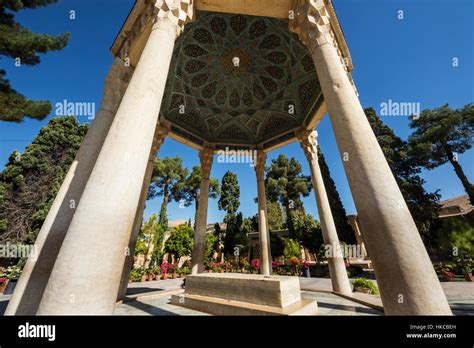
column 244, row 294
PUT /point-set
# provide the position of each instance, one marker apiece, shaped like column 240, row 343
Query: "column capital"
column 206, row 156
column 161, row 132
column 261, row 160
column 178, row 12
column 309, row 143
column 116, row 83
column 311, row 22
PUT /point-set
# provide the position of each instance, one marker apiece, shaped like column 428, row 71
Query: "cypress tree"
column 344, row 230
column 30, row 181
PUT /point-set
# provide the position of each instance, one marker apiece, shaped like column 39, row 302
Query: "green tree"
column 440, row 135
column 343, row 228
column 189, row 189
column 168, row 176
column 277, row 245
column 232, row 233
column 23, row 45
column 180, row 242
column 286, row 183
column 309, row 231
column 241, row 237
column 217, row 230
column 212, row 244
column 230, row 194
column 456, row 232
column 292, row 249
column 150, row 241
column 275, row 219
column 30, row 181
column 229, row 201
column 423, row 206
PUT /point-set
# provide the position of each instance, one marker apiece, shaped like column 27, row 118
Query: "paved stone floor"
column 152, row 298
column 329, row 304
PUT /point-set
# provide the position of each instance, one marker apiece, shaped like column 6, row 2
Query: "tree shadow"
column 348, row 308
column 147, row 308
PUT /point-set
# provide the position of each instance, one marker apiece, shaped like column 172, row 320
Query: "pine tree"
column 441, row 135
column 423, row 206
column 286, row 183
column 30, row 181
column 19, row 43
column 168, row 177
column 188, row 190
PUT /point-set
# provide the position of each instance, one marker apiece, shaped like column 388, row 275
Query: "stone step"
column 219, row 306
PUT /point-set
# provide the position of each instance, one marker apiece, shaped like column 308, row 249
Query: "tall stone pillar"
column 35, row 275
column 405, row 275
column 337, row 269
column 160, row 135
column 199, row 249
column 264, row 232
column 86, row 275
column 354, row 222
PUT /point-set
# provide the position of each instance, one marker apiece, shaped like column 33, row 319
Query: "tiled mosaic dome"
column 239, row 80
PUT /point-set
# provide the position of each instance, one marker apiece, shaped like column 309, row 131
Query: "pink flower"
column 449, row 275
column 164, row 267
column 275, row 264
column 255, row 263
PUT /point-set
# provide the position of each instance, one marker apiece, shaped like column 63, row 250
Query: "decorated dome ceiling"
column 239, row 80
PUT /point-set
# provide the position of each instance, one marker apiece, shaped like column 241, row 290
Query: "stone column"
column 264, row 232
column 337, row 269
column 199, row 249
column 405, row 275
column 160, row 135
column 35, row 275
column 86, row 275
column 354, row 222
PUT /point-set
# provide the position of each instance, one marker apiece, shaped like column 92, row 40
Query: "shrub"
column 135, row 275
column 217, row 266
column 363, row 283
column 11, row 272
column 182, row 271
column 292, row 250
column 463, row 263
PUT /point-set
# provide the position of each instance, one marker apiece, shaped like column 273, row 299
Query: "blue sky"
column 407, row 60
